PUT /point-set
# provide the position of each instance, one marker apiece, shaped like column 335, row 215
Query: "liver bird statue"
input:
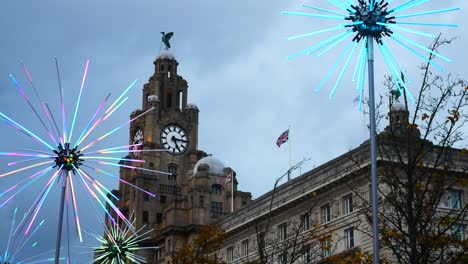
column 165, row 39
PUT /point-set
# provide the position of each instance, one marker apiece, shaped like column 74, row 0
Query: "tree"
column 422, row 175
column 198, row 251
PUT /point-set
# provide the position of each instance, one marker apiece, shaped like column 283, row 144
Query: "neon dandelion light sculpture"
column 73, row 161
column 18, row 246
column 365, row 22
column 119, row 245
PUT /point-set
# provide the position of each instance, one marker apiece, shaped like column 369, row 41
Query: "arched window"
column 216, row 189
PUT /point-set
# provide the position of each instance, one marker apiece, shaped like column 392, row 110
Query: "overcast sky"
column 233, row 55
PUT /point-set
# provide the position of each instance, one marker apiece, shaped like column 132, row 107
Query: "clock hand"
column 178, row 139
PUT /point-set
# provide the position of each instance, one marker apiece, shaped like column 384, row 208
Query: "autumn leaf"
column 424, row 116
column 412, row 126
column 464, row 151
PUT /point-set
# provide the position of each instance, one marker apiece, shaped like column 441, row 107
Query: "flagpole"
column 232, row 191
column 289, row 146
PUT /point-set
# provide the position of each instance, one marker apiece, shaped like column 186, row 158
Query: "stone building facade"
column 330, row 201
column 192, row 190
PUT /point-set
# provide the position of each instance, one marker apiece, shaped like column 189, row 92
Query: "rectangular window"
column 162, row 198
column 327, row 246
column 145, row 196
column 201, row 201
column 283, row 258
column 158, row 218
column 216, row 207
column 245, row 248
column 456, row 199
column 325, row 212
column 349, row 238
column 172, row 177
column 348, row 204
column 230, row 254
column 307, row 257
column 305, row 222
column 459, row 231
column 282, row 231
column 145, row 217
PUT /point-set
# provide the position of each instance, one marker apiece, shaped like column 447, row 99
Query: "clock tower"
column 170, row 131
column 190, row 186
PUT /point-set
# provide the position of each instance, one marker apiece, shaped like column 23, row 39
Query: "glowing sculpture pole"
column 373, row 146
column 59, row 229
column 369, row 21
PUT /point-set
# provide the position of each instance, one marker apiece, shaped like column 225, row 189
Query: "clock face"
column 174, row 139
column 137, row 139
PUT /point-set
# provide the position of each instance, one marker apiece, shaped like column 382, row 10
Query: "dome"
column 166, row 54
column 398, row 106
column 209, row 164
column 192, row 106
column 153, row 98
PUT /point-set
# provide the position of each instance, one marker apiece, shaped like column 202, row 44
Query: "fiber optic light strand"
column 117, row 128
column 91, row 120
column 324, row 10
column 421, row 47
column 100, row 120
column 122, row 95
column 333, row 68
column 121, row 180
column 78, row 101
column 429, row 12
column 322, row 31
column 24, row 168
column 38, row 207
column 343, row 70
column 64, row 122
column 393, row 58
column 131, row 167
column 320, row 45
column 25, row 130
column 18, row 87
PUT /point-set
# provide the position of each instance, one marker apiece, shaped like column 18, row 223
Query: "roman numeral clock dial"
column 174, row 139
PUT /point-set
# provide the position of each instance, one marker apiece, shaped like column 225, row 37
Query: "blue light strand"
column 402, row 5
column 324, row 10
column 338, row 4
column 395, row 75
column 418, row 54
column 392, row 56
column 331, row 46
column 406, row 29
column 315, row 32
column 312, row 15
column 333, row 67
column 410, row 5
column 358, row 62
column 422, row 47
column 430, row 12
column 343, row 70
column 426, row 24
column 319, row 45
column 390, row 67
column 362, row 77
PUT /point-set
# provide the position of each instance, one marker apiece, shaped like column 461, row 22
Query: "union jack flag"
column 283, row 138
